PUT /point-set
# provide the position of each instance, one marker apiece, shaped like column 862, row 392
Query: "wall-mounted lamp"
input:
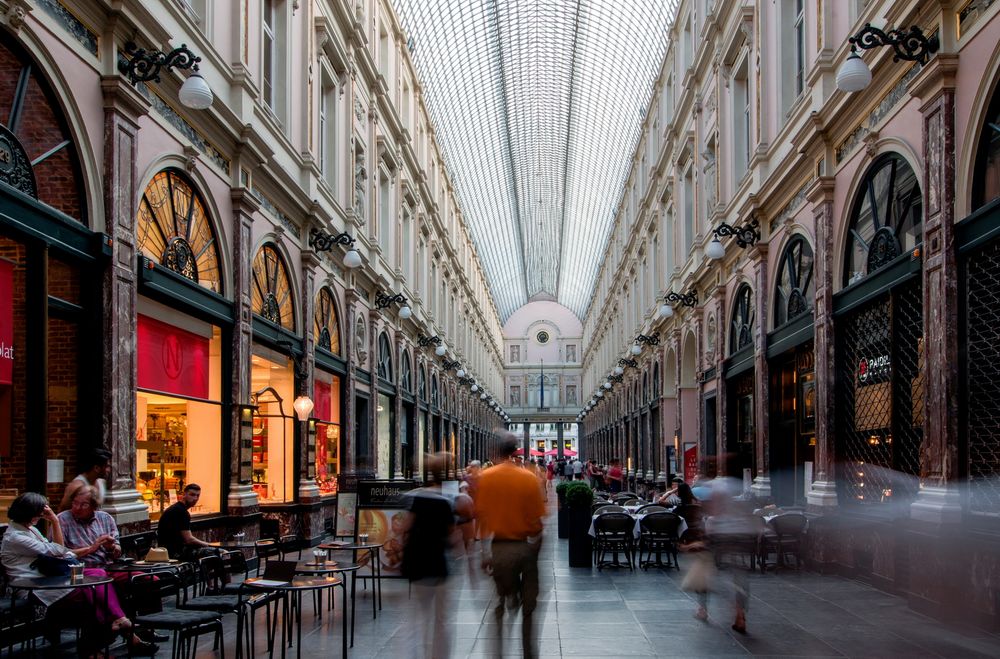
column 145, row 65
column 474, row 388
column 322, row 241
column 303, row 406
column 383, row 301
column 746, row 235
column 686, row 299
column 619, row 370
column 911, row 46
column 466, row 380
column 617, row 379
column 607, row 384
column 447, row 365
column 628, row 362
column 651, row 340
column 424, row 341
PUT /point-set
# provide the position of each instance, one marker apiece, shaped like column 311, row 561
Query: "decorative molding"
column 70, row 23
column 197, row 139
column 893, row 97
column 17, row 11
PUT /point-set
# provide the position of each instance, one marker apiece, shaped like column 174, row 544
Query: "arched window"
column 645, row 388
column 656, row 379
column 384, row 358
column 405, row 377
column 421, row 383
column 741, row 326
column 435, row 396
column 986, row 177
column 795, row 290
column 271, row 291
column 326, row 329
column 175, row 231
column 886, row 220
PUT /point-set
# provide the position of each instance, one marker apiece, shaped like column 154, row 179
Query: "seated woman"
column 97, row 609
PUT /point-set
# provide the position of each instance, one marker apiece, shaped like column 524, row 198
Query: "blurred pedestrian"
column 98, row 469
column 615, row 477
column 511, row 508
column 425, row 560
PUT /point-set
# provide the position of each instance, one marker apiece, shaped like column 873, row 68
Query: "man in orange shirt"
column 510, row 508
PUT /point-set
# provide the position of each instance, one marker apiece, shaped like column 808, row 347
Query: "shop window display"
column 273, row 427
column 179, row 414
column 327, row 413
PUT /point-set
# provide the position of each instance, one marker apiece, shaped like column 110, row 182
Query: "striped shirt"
column 77, row 534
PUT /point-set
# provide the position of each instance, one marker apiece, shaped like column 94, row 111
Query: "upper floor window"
column 986, row 179
column 741, row 326
column 273, row 57
column 795, row 290
column 793, row 52
column 421, row 383
column 328, row 129
column 741, row 119
column 405, row 377
column 271, row 290
column 326, row 329
column 384, row 358
column 886, row 220
column 174, row 230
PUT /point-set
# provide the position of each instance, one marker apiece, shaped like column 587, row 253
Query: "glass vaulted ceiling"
column 537, row 105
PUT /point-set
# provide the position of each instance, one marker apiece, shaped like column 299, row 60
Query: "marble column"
column 123, row 107
column 241, row 498
column 761, row 486
column 397, row 441
column 354, row 360
column 308, row 489
column 650, row 443
column 938, row 499
column 823, row 490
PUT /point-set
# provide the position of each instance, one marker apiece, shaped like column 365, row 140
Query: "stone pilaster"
column 938, row 499
column 823, row 491
column 354, row 307
column 241, row 498
column 650, row 443
column 762, row 457
column 123, row 107
column 398, row 403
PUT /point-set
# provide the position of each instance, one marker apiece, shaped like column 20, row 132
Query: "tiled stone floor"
column 617, row 613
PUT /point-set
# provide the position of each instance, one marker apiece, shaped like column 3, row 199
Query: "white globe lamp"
column 440, row 350
column 853, row 75
column 619, row 370
column 636, row 349
column 352, row 259
column 715, row 250
column 405, row 312
column 666, row 311
column 195, row 93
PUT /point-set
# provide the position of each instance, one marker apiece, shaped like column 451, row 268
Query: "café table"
column 335, row 567
column 375, row 550
column 31, row 584
column 637, row 530
column 292, row 610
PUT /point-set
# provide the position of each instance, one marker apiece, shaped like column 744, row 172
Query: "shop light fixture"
column 449, row 365
column 627, row 362
column 651, row 340
column 617, row 379
column 619, row 370
column 303, row 407
column 607, row 384
column 460, row 373
column 685, row 299
column 321, row 241
column 474, row 388
column 909, row 45
column 600, row 394
column 144, row 65
column 424, row 341
column 383, row 301
column 746, row 235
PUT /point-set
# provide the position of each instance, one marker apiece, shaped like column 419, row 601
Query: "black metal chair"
column 137, row 545
column 651, row 508
column 288, row 544
column 598, row 505
column 786, row 534
column 623, row 496
column 695, row 518
column 736, row 535
column 614, row 532
column 18, row 622
column 184, row 625
column 266, row 549
column 658, row 533
column 610, row 508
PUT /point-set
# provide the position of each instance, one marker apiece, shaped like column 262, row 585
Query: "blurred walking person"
column 511, row 508
column 425, row 561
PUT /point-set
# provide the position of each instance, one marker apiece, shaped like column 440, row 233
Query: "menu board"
column 382, row 511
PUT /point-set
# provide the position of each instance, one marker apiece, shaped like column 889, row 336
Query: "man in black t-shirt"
column 174, row 530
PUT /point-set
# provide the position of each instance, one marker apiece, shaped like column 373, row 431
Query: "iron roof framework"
column 538, row 106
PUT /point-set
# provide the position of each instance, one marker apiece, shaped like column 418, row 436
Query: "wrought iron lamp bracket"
column 322, row 241
column 617, row 379
column 448, row 365
column 424, row 341
column 687, row 299
column 651, row 340
column 909, row 45
column 628, row 362
column 746, row 235
column 383, row 301
column 145, row 65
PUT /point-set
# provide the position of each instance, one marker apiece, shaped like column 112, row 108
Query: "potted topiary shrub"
column 579, row 500
column 561, row 511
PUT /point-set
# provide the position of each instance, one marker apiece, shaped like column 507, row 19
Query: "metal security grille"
column 982, row 377
column 880, row 393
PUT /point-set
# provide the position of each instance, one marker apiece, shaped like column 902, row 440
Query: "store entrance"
column 740, row 427
column 792, row 431
column 363, row 461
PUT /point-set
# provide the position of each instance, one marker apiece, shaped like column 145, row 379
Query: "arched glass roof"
column 537, row 105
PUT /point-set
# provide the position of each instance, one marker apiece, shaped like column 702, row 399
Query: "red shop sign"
column 6, row 322
column 172, row 360
column 322, row 394
column 690, row 463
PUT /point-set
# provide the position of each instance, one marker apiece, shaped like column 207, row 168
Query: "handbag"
column 53, row 566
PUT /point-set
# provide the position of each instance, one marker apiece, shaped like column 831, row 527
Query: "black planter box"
column 578, row 521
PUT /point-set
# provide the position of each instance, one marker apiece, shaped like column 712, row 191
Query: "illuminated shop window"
column 272, row 382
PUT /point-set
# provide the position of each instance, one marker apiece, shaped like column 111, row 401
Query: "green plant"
column 561, row 489
column 579, row 495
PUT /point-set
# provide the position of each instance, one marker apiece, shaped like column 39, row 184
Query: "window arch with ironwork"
column 174, row 229
column 421, row 383
column 645, row 388
column 405, row 372
column 986, row 176
column 886, row 220
column 326, row 325
column 656, row 380
column 271, row 289
column 384, row 358
column 795, row 288
column 435, row 394
column 741, row 325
